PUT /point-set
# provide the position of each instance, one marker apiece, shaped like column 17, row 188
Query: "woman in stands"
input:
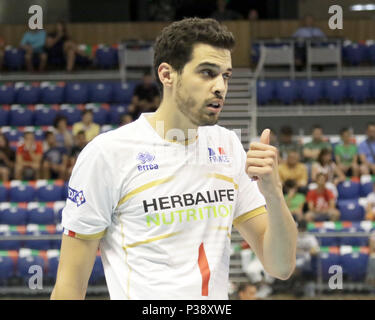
column 7, row 159
column 64, row 137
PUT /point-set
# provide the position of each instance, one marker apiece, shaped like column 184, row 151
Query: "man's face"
column 345, row 136
column 309, row 21
column 293, row 158
column 81, row 139
column 87, row 117
column 321, row 180
column 371, row 132
column 285, row 138
column 317, row 134
column 51, row 140
column 203, row 82
column 29, row 138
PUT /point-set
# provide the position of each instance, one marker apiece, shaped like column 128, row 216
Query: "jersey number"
column 204, row 269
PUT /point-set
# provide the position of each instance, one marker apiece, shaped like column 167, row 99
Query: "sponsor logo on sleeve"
column 76, row 196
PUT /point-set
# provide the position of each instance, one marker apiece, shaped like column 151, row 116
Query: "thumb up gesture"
column 262, row 165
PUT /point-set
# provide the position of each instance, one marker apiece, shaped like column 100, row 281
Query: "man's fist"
column 261, row 164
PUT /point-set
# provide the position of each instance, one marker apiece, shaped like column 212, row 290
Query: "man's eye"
column 227, row 76
column 208, row 73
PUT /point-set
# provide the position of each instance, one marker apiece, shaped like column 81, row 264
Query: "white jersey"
column 164, row 211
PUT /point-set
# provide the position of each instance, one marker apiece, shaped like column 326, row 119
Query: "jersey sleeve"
column 89, row 206
column 250, row 201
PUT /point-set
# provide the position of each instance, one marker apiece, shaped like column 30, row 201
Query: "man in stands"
column 321, row 202
column 33, row 43
column 145, row 97
column 80, row 143
column 287, row 143
column 55, row 159
column 293, row 169
column 308, row 29
column 294, row 199
column 87, row 124
column 312, row 149
column 28, row 158
column 366, row 150
column 346, row 154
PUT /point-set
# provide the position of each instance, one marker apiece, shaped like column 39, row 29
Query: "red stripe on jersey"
column 204, row 269
column 71, row 234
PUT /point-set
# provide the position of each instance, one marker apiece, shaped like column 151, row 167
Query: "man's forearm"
column 280, row 237
column 66, row 292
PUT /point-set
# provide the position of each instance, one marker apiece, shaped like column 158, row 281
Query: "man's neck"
column 167, row 118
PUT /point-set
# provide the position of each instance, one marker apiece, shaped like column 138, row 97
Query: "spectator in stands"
column 223, row 14
column 273, row 138
column 326, row 165
column 346, row 154
column 370, row 274
column 145, row 97
column 247, row 291
column 126, row 118
column 321, row 202
column 87, row 124
column 370, row 207
column 293, row 169
column 253, row 15
column 308, row 29
column 287, row 143
column 294, row 199
column 307, row 247
column 33, row 42
column 55, row 159
column 64, row 137
column 312, row 149
column 2, row 51
column 80, row 143
column 366, row 151
column 28, row 158
column 7, row 159
column 60, row 48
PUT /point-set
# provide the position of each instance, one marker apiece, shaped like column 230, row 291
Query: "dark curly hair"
column 175, row 43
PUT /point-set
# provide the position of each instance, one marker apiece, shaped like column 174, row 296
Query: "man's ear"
column 166, row 74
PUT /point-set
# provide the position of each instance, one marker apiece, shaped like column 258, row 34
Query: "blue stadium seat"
column 311, row 91
column 41, row 215
column 354, row 265
column 24, row 264
column 52, row 94
column 97, row 274
column 27, row 94
column 65, row 190
column 354, row 241
column 100, row 92
column 359, row 90
column 265, row 91
column 335, row 90
column 76, row 92
column 371, row 53
column 71, row 112
column 38, row 244
column 350, row 210
column 7, row 94
column 4, row 117
column 348, row 190
column 49, row 193
column 115, row 113
column 328, row 259
column 14, row 59
column 44, row 115
column 10, row 244
column 105, row 57
column 21, row 193
column 20, row 117
column 4, row 193
column 354, row 53
column 13, row 216
column 56, row 244
column 53, row 264
column 365, row 189
column 123, row 92
column 13, row 135
column 286, row 91
column 326, row 241
column 6, row 269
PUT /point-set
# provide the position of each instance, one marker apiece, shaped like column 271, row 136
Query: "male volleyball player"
column 162, row 211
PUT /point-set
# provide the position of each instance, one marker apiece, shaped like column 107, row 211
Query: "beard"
column 188, row 107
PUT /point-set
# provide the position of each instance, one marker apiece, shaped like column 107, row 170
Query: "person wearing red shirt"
column 321, row 202
column 28, row 158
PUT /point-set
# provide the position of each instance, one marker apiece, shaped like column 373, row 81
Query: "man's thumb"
column 265, row 137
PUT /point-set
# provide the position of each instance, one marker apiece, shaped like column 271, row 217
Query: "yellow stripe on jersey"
column 249, row 215
column 143, row 188
column 163, row 236
column 94, row 236
column 222, row 177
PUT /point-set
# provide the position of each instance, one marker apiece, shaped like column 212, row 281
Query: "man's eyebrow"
column 211, row 65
